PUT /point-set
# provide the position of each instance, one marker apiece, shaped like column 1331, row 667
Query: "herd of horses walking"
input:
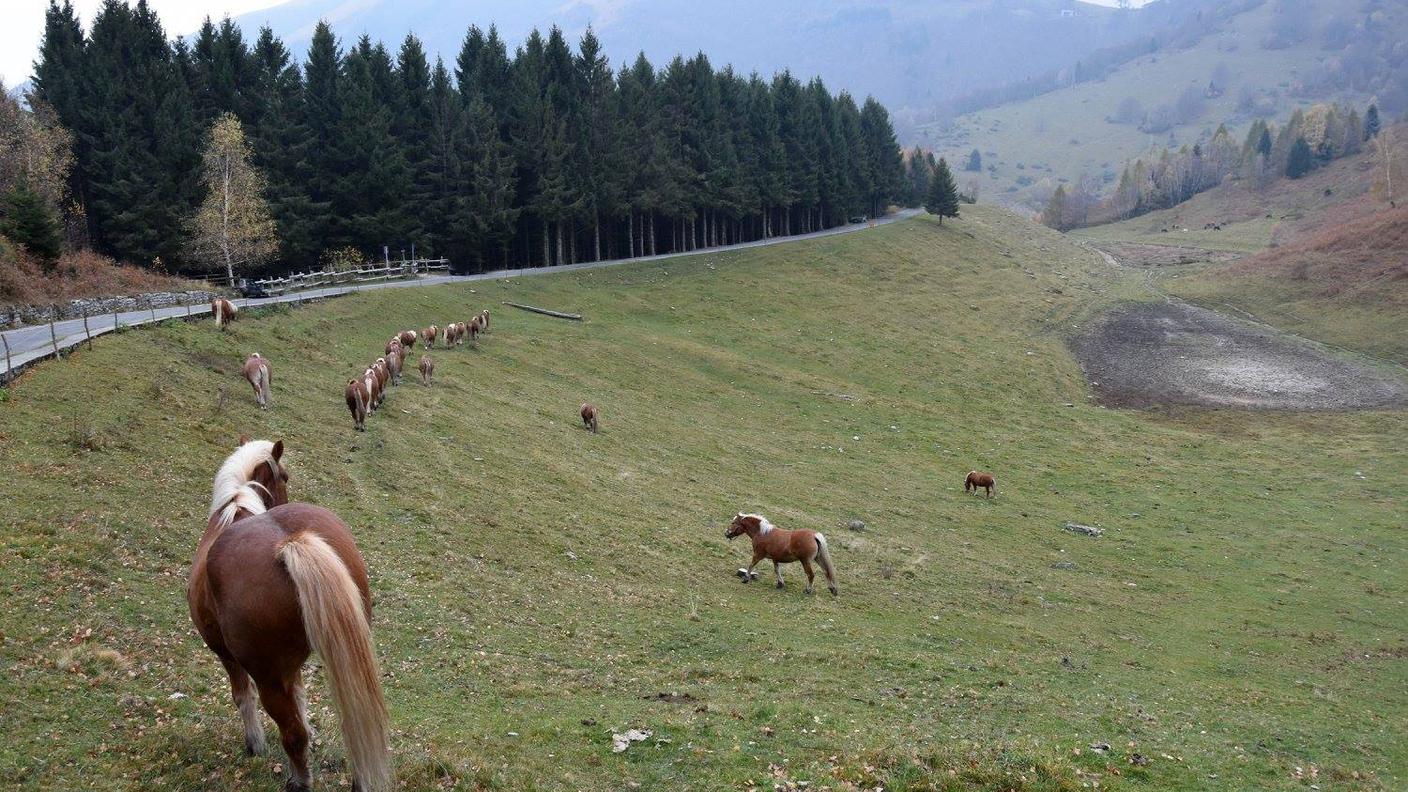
column 273, row 581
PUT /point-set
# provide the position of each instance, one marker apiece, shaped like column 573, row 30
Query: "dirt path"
column 1170, row 352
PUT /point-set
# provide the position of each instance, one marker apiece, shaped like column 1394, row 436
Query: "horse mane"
column 763, row 525
column 233, row 490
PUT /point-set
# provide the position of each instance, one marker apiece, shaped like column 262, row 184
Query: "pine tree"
column 233, row 225
column 1054, row 215
column 883, row 153
column 943, row 194
column 1301, row 160
column 1371, row 122
column 27, row 221
column 280, row 141
column 322, row 115
column 975, row 162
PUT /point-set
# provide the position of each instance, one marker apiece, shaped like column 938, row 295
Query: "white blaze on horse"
column 782, row 547
column 427, row 369
column 223, row 310
column 272, row 582
column 256, row 370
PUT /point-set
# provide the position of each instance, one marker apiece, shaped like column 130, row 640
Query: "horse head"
column 749, row 524
column 272, row 477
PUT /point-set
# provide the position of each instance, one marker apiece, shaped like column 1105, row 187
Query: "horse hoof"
column 742, row 575
column 294, row 785
column 752, row 575
column 834, row 592
column 809, row 591
column 779, row 584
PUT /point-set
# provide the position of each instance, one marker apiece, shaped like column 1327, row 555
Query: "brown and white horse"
column 978, row 479
column 383, row 376
column 782, row 547
column 256, row 370
column 484, row 321
column 223, row 310
column 427, row 368
column 429, row 334
column 395, row 359
column 590, row 416
column 408, row 338
column 473, row 329
column 454, row 334
column 273, row 581
column 358, row 402
column 373, row 385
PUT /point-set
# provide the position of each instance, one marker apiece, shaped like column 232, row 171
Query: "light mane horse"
column 782, row 547
column 427, row 369
column 256, row 370
column 273, row 581
column 358, row 402
column 223, row 310
column 484, row 320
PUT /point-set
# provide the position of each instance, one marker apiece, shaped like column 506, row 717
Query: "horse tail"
column 263, row 376
column 338, row 628
column 823, row 557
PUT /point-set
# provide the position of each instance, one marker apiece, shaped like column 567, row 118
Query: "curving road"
column 35, row 342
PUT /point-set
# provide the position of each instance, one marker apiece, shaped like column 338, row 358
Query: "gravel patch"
column 1170, row 353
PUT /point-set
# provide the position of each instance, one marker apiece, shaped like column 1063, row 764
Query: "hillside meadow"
column 1239, row 624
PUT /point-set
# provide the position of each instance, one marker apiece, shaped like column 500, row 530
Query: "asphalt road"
column 34, row 342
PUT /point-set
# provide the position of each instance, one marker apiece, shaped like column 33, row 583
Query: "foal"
column 782, row 547
column 976, row 479
column 590, row 414
column 256, row 370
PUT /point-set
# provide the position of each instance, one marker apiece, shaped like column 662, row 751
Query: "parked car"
column 250, row 288
column 858, row 219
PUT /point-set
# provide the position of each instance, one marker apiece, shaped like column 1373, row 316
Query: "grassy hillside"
column 1035, row 144
column 1240, row 623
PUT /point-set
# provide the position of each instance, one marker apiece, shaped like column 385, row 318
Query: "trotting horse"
column 273, row 581
column 256, row 370
column 977, row 479
column 782, row 547
column 223, row 310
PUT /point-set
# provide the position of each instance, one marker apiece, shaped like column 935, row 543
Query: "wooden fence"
column 313, row 280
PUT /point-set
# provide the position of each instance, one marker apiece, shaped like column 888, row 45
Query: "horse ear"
column 244, row 438
column 278, row 450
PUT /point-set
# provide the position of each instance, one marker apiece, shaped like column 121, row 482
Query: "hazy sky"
column 24, row 25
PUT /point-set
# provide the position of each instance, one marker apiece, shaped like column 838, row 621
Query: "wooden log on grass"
column 544, row 311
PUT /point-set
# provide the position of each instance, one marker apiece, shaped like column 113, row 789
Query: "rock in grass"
column 1088, row 530
column 856, row 525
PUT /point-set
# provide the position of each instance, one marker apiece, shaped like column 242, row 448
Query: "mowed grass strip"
column 538, row 586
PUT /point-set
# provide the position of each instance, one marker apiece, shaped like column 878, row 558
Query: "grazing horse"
column 256, row 370
column 782, row 547
column 474, row 328
column 358, row 402
column 429, row 334
column 976, row 479
column 273, row 581
column 408, row 338
column 427, row 368
column 590, row 416
column 223, row 310
column 484, row 321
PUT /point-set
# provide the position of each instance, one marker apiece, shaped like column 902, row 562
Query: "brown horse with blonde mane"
column 408, row 338
column 427, row 369
column 484, row 321
column 978, row 479
column 782, row 547
column 358, row 402
column 590, row 417
column 428, row 335
column 273, row 581
column 223, row 310
column 256, row 370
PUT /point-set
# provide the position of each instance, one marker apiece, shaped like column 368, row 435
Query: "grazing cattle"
column 429, row 334
column 408, row 338
column 358, row 402
column 590, row 416
column 976, row 479
column 256, row 370
column 272, row 582
column 427, row 368
column 223, row 310
column 782, row 547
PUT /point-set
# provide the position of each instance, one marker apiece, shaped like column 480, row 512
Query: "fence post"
column 53, row 336
column 114, row 318
column 86, row 331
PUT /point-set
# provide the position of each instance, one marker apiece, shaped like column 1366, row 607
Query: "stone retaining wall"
column 76, row 309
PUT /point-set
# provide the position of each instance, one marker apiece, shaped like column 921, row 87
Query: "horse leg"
column 777, row 572
column 243, row 693
column 989, row 489
column 300, row 695
column 807, row 567
column 748, row 574
column 281, row 702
